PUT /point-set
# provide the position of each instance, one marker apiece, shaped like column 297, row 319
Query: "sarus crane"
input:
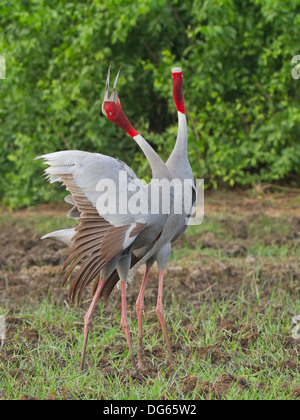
column 110, row 247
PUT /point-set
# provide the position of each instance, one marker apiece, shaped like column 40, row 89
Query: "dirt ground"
column 24, row 258
column 30, row 269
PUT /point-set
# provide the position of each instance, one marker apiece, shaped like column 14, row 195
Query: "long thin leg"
column 139, row 310
column 124, row 320
column 160, row 313
column 88, row 321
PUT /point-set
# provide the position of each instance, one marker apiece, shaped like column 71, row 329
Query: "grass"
column 39, row 223
column 50, row 369
column 231, row 334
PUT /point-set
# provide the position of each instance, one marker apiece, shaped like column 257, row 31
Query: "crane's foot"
column 125, row 325
column 139, row 316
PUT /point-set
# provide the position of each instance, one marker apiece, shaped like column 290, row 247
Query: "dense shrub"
column 242, row 102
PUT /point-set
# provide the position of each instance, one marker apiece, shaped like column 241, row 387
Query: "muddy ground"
column 30, row 270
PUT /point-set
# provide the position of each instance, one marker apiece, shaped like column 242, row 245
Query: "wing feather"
column 97, row 238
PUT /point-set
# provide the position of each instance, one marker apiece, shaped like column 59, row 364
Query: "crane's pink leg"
column 124, row 320
column 160, row 313
column 139, row 310
column 88, row 321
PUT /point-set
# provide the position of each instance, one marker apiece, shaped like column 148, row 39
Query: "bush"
column 242, row 103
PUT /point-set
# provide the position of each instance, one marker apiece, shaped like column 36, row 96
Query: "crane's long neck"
column 178, row 159
column 159, row 168
column 179, row 152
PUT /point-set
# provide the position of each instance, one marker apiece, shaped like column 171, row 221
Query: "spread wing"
column 98, row 238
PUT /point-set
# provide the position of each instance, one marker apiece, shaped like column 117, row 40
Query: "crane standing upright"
column 112, row 244
column 180, row 168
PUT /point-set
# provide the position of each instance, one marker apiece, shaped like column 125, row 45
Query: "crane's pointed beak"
column 106, row 92
column 114, row 93
column 114, row 96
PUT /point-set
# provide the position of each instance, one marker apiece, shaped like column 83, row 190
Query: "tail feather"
column 64, row 235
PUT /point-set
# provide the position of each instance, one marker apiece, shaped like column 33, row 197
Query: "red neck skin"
column 116, row 114
column 177, row 92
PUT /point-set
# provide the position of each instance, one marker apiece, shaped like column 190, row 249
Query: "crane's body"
column 111, row 246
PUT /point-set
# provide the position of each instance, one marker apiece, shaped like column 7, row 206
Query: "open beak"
column 114, row 96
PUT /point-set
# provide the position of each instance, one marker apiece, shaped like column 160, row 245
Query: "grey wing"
column 98, row 238
column 89, row 171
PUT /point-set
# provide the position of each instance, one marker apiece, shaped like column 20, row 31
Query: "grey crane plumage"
column 147, row 237
column 179, row 167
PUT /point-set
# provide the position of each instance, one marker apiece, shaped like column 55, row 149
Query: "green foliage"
column 242, row 103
